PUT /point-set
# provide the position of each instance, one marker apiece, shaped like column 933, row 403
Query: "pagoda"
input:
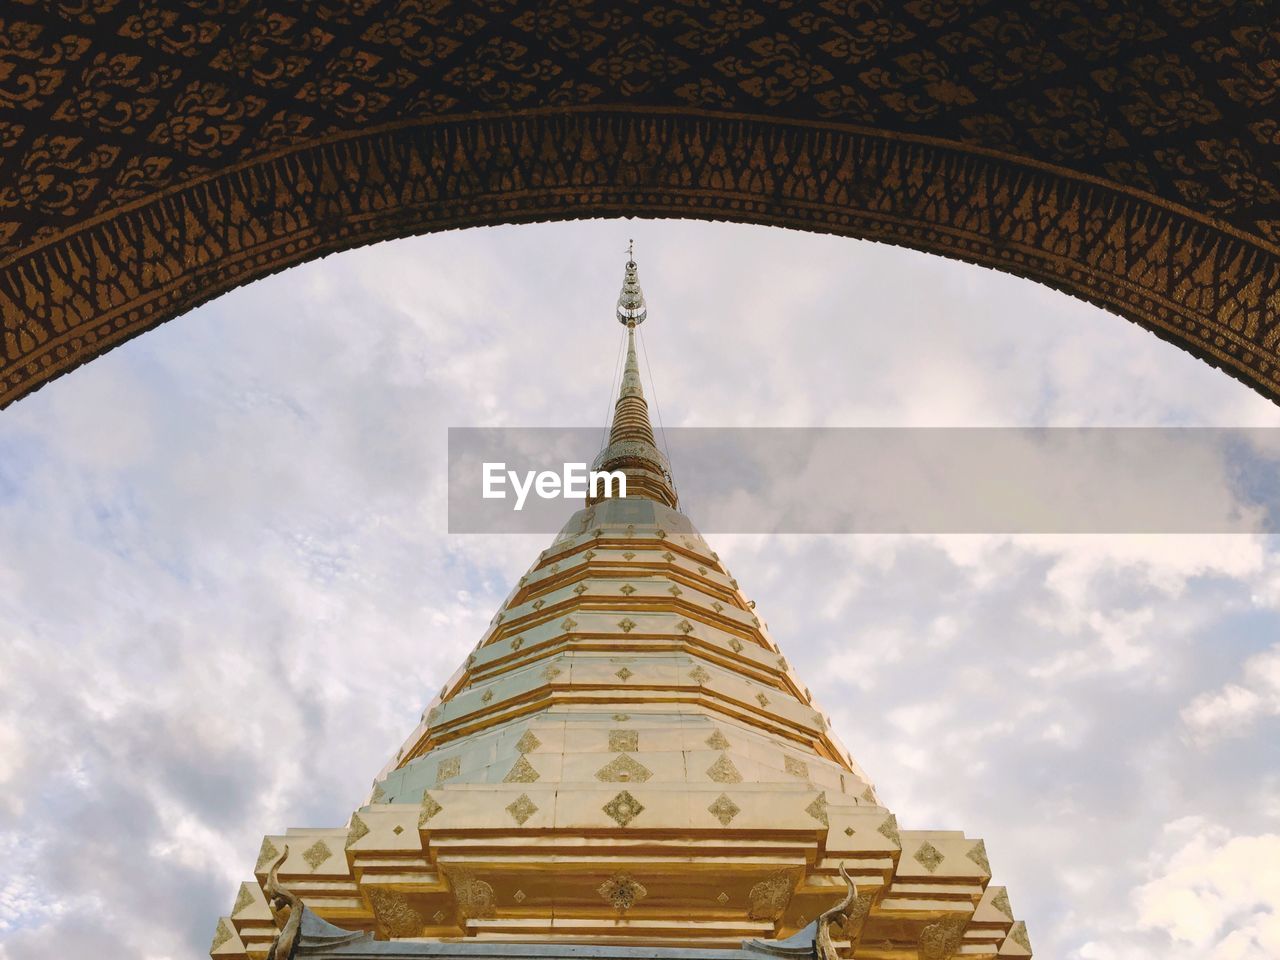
column 625, row 766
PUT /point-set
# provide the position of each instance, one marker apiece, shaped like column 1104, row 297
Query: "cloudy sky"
column 227, row 590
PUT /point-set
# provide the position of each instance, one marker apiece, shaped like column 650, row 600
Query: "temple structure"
column 625, row 766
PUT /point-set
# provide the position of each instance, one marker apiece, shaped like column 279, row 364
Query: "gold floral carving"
column 448, row 769
column 243, row 899
column 623, row 769
column 889, row 829
column 724, row 809
column 221, row 935
column 724, row 771
column 266, row 854
column 769, row 898
column 797, row 768
column 528, row 742
column 941, row 939
column 818, row 809
column 1018, row 934
column 430, row 807
column 521, row 771
column 623, row 808
column 316, row 854
column 521, row 809
column 622, row 892
column 624, row 741
column 394, row 913
column 718, row 741
column 1001, row 902
column 474, row 897
column 978, row 854
column 358, row 829
column 929, row 856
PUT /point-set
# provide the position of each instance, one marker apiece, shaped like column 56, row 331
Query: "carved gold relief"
column 623, row 808
column 394, row 913
column 889, row 829
column 522, row 771
column 317, row 853
column 528, row 742
column 622, row 892
column 623, row 768
column 266, row 854
column 718, row 741
column 430, row 807
column 473, row 896
column 941, row 939
column 769, row 898
column 724, row 771
column 818, row 809
column 978, row 854
column 1001, row 902
column 221, row 935
column 243, row 899
column 1018, row 934
column 724, row 809
column 928, row 856
column 521, row 809
column 624, row 741
column 448, row 769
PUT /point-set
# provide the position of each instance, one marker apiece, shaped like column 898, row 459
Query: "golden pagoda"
column 625, row 766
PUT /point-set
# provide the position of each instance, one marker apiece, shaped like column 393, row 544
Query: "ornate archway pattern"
column 159, row 153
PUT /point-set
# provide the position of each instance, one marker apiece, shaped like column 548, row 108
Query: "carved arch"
column 160, row 153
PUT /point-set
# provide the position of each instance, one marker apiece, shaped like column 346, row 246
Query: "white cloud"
column 1234, row 707
column 1217, row 893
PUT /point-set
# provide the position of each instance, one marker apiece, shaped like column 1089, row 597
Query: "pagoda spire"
column 632, row 448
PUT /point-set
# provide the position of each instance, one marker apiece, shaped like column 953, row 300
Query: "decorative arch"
column 157, row 153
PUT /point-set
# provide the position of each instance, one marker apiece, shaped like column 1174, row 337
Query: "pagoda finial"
column 631, row 306
column 632, row 447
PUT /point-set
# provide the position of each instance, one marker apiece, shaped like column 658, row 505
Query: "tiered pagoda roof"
column 626, row 760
